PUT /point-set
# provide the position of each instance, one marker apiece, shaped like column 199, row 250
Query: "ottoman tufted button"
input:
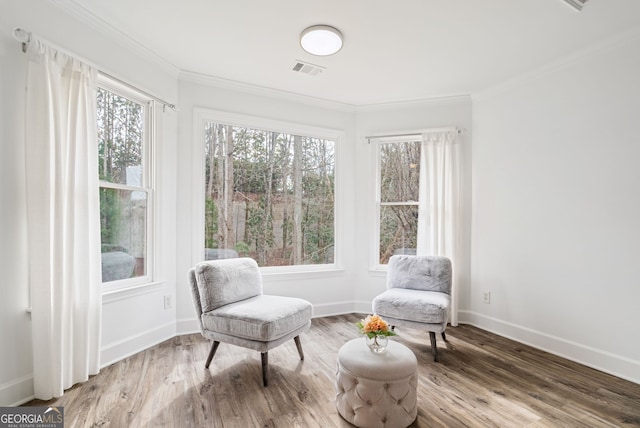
column 384, row 419
column 355, row 381
column 399, row 401
column 386, row 386
column 369, row 402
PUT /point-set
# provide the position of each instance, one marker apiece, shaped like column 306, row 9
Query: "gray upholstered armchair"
column 418, row 295
column 231, row 308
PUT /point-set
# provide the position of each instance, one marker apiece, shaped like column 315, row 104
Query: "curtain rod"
column 130, row 86
column 416, row 134
column 24, row 37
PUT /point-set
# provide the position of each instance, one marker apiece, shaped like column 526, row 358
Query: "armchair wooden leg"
column 214, row 348
column 444, row 337
column 265, row 367
column 299, row 346
column 434, row 348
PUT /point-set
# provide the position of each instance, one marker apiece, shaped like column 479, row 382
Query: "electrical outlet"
column 167, row 302
column 486, row 297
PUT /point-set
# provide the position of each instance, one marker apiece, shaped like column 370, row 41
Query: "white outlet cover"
column 486, row 297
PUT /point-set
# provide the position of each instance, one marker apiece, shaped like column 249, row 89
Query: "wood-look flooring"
column 482, row 380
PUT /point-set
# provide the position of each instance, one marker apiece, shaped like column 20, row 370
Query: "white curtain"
column 62, row 219
column 440, row 185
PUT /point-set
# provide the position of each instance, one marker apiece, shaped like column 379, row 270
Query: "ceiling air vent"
column 305, row 67
column 576, row 3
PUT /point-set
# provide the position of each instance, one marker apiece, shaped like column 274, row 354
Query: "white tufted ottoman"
column 377, row 390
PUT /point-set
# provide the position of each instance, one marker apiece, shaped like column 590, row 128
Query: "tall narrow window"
column 418, row 194
column 398, row 197
column 269, row 195
column 124, row 142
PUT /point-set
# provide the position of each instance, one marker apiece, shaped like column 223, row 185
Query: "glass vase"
column 377, row 344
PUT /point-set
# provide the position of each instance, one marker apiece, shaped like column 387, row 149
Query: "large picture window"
column 124, row 142
column 269, row 195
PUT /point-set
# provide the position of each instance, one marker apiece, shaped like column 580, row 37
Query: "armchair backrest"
column 221, row 282
column 427, row 273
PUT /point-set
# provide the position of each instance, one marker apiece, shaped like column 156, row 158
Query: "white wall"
column 15, row 324
column 330, row 292
column 402, row 118
column 131, row 321
column 556, row 208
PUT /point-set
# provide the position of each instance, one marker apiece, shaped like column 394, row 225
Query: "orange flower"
column 374, row 324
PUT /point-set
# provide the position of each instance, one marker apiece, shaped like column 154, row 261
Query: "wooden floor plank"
column 482, row 380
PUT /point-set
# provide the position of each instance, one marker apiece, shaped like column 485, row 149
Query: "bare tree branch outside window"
column 123, row 192
column 269, row 195
column 399, row 195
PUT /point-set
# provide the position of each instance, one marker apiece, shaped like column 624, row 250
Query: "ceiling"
column 393, row 50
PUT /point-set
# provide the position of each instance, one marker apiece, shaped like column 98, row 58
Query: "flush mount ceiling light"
column 321, row 40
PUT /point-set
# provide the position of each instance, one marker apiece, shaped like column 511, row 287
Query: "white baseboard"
column 335, row 308
column 187, row 326
column 17, row 391
column 362, row 307
column 131, row 345
column 619, row 366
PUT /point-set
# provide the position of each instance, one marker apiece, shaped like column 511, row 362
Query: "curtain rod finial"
column 23, row 37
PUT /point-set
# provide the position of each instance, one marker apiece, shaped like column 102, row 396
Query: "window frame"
column 148, row 182
column 202, row 115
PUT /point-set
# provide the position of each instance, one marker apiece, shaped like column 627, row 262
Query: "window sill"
column 378, row 271
column 301, row 272
column 122, row 293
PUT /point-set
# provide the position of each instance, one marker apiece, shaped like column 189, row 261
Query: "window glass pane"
column 123, row 233
column 120, row 139
column 268, row 195
column 398, row 230
column 399, row 171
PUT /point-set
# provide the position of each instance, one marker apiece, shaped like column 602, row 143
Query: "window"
column 418, row 194
column 124, row 153
column 269, row 193
column 398, row 197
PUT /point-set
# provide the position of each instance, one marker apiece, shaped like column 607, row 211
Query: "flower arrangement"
column 374, row 325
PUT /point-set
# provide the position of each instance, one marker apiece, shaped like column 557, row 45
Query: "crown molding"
column 248, row 88
column 423, row 102
column 549, row 68
column 112, row 33
column 218, row 82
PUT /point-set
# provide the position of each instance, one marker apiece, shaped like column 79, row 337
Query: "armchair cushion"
column 429, row 307
column 262, row 318
column 227, row 281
